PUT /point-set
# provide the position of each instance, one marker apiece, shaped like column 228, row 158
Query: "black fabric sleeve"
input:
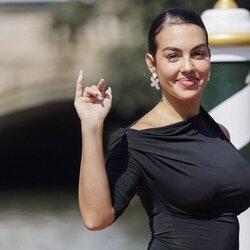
column 124, row 175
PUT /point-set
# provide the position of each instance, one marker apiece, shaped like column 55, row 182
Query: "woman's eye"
column 172, row 57
column 200, row 54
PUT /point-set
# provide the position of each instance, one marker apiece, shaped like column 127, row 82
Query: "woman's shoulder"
column 143, row 123
column 125, row 136
column 225, row 131
column 117, row 136
column 222, row 128
column 148, row 121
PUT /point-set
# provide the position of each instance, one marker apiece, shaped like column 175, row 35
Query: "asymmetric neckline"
column 168, row 126
column 191, row 181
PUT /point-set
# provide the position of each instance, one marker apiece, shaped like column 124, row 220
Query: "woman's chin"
column 190, row 95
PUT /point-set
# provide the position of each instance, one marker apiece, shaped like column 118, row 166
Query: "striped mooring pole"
column 227, row 95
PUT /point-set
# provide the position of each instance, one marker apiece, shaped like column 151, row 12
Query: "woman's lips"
column 187, row 82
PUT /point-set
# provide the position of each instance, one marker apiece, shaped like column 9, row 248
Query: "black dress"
column 191, row 181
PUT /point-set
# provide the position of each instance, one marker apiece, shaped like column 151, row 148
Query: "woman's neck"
column 180, row 110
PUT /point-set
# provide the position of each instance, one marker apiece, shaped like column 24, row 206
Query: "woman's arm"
column 92, row 105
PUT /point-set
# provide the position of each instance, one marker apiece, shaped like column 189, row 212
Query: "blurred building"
column 39, row 63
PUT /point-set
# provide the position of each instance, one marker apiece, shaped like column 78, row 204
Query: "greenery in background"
column 71, row 16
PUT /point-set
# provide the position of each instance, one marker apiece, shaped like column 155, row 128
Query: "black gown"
column 191, row 181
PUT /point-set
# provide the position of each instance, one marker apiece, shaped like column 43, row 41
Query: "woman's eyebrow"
column 172, row 49
column 202, row 45
column 179, row 50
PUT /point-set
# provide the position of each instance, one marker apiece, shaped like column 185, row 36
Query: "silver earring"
column 154, row 81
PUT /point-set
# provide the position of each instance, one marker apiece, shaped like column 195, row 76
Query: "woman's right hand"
column 92, row 103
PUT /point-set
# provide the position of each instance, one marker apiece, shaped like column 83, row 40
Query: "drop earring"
column 155, row 81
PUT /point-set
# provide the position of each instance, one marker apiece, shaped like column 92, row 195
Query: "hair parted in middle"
column 172, row 16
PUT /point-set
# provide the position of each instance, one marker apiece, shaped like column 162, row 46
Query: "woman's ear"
column 150, row 60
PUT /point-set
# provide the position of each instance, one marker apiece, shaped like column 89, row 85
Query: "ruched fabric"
column 191, row 180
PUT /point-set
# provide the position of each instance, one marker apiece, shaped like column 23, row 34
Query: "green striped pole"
column 227, row 95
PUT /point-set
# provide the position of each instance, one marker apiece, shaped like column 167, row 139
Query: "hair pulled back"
column 172, row 16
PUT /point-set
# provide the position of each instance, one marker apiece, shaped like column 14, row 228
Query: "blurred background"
column 43, row 45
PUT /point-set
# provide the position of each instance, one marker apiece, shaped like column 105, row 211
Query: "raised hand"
column 92, row 103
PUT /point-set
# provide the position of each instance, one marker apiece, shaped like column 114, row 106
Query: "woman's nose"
column 186, row 65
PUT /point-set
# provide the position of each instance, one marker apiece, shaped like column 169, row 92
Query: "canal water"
column 50, row 219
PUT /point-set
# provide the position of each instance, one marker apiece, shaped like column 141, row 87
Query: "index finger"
column 79, row 85
column 101, row 86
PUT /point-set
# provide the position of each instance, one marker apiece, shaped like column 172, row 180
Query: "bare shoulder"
column 225, row 131
column 143, row 123
column 149, row 120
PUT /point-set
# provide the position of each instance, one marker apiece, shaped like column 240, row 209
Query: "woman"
column 191, row 181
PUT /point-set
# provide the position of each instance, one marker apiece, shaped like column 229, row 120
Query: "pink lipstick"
column 187, row 81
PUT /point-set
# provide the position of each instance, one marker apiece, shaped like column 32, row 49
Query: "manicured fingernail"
column 81, row 72
column 99, row 97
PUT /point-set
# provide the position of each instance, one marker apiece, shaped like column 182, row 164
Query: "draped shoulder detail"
column 191, row 180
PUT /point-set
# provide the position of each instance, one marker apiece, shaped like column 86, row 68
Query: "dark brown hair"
column 172, row 16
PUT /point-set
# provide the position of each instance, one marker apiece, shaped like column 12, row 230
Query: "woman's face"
column 182, row 61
